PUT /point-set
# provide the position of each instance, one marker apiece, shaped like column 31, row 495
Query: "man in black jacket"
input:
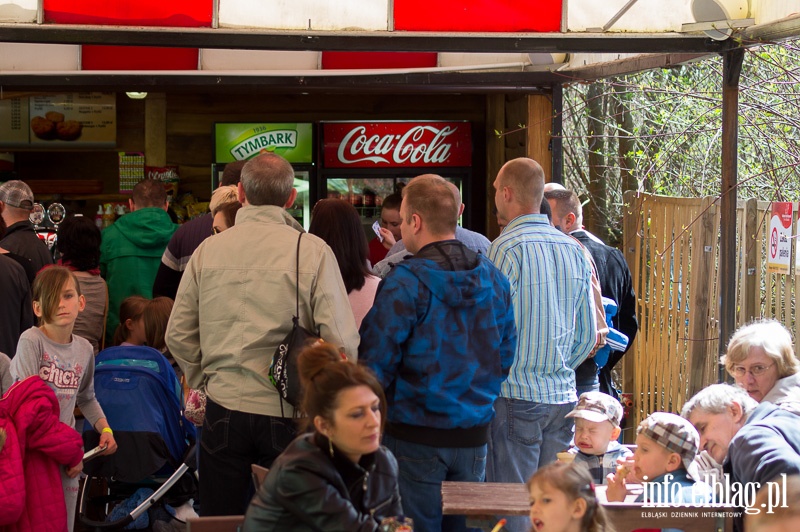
column 16, row 204
column 614, row 275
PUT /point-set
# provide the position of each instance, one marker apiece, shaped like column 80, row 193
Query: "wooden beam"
column 155, row 130
column 362, row 41
column 539, row 128
column 495, row 155
column 731, row 69
column 279, row 82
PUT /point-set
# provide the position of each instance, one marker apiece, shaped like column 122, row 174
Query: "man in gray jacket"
column 234, row 306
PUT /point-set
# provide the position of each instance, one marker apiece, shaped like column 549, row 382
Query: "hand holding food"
column 565, row 457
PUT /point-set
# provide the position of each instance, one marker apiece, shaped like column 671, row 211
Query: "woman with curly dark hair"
column 79, row 245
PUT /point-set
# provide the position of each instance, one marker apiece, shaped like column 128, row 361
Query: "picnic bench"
column 487, row 501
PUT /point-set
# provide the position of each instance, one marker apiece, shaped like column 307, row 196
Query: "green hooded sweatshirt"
column 129, row 257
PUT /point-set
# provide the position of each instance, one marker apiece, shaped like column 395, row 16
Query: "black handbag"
column 283, row 372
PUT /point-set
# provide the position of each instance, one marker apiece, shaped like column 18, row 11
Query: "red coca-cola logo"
column 397, row 144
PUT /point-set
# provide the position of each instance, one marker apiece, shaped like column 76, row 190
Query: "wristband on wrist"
column 108, row 430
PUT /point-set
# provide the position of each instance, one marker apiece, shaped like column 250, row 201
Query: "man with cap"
column 16, row 204
column 666, row 445
column 597, row 418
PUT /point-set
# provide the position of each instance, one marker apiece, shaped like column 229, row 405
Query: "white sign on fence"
column 780, row 243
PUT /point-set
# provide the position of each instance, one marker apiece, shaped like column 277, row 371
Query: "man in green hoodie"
column 132, row 248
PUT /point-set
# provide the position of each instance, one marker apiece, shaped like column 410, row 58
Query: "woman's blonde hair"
column 221, row 196
column 769, row 335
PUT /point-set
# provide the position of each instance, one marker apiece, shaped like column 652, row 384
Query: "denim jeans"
column 231, row 441
column 422, row 470
column 524, row 437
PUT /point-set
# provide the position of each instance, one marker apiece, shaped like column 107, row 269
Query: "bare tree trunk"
column 595, row 216
column 627, row 142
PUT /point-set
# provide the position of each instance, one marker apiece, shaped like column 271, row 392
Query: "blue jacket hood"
column 453, row 273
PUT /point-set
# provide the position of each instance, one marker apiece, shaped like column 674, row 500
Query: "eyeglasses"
column 755, row 371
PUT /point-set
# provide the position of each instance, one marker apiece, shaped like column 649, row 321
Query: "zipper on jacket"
column 381, row 505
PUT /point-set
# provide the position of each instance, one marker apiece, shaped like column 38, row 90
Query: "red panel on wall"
column 477, row 15
column 173, row 13
column 341, row 60
column 138, row 58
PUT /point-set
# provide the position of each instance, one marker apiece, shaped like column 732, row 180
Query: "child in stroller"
column 141, row 396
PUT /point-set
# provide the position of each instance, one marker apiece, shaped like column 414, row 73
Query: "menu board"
column 79, row 120
column 14, row 122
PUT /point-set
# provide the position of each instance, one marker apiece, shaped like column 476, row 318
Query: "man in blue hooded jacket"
column 441, row 338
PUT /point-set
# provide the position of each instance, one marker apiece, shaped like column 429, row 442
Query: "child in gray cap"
column 597, row 427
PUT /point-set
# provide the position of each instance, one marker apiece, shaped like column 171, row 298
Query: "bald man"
column 474, row 241
column 556, row 327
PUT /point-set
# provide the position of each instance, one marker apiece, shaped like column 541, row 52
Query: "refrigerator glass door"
column 301, row 210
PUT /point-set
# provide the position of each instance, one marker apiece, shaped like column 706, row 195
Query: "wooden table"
column 486, row 501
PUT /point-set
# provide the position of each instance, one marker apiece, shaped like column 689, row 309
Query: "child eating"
column 666, row 445
column 597, row 418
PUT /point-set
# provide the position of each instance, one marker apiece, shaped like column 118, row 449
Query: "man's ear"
column 736, row 412
column 240, row 194
column 416, row 223
column 292, row 197
column 673, row 462
column 131, row 205
column 570, row 218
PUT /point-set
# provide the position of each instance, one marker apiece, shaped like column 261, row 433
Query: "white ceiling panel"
column 18, row 10
column 37, row 57
column 305, row 14
column 643, row 16
column 223, row 59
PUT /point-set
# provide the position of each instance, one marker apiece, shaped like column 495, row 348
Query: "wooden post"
column 155, row 130
column 752, row 265
column 702, row 264
column 731, row 69
column 540, row 121
column 631, row 249
column 495, row 155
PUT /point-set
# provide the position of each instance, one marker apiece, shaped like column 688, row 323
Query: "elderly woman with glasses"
column 760, row 357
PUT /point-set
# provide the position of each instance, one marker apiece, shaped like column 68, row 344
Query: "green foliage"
column 660, row 130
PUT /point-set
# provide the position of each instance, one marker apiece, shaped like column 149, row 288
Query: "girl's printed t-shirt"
column 67, row 368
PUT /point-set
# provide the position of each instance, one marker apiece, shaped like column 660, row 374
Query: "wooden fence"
column 672, row 248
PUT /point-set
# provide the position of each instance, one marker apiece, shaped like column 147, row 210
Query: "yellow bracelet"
column 108, row 430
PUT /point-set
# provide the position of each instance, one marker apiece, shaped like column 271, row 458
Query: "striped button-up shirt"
column 553, row 307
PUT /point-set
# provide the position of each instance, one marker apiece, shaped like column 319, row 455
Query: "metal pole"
column 556, row 138
column 731, row 68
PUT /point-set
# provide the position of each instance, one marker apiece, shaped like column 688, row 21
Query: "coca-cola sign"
column 397, row 144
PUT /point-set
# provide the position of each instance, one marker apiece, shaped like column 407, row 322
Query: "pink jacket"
column 37, row 445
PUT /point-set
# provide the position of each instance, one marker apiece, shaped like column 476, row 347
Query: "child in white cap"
column 597, row 419
column 666, row 445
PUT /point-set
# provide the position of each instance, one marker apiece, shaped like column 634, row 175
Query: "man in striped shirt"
column 551, row 291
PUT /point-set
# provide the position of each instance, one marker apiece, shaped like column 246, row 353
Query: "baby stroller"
column 142, row 400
